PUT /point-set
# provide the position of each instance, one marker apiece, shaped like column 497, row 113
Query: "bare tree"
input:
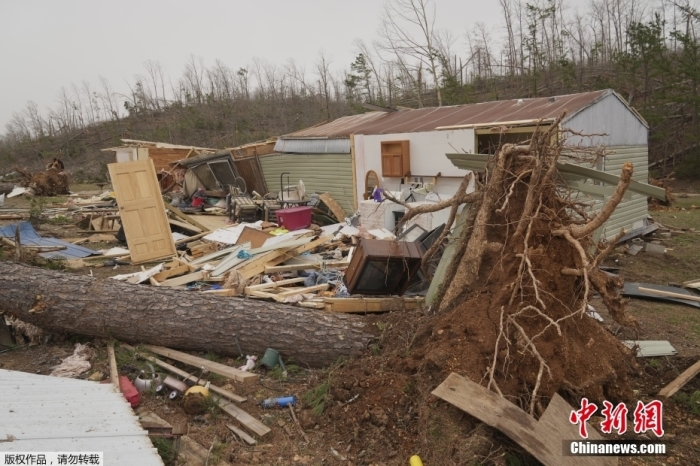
column 408, row 31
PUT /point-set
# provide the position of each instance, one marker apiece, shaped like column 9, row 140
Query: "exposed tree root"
column 517, row 290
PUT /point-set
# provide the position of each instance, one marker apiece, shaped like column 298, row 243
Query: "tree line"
column 647, row 50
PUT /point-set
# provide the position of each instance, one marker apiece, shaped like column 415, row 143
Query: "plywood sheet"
column 142, row 210
column 256, row 238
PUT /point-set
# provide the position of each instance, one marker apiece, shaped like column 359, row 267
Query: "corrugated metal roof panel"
column 314, row 146
column 343, row 126
column 428, row 119
column 28, row 236
column 47, row 414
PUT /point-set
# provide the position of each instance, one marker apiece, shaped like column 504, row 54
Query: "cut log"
column 173, row 318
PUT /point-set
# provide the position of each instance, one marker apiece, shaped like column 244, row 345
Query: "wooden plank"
column 225, row 292
column 178, row 213
column 543, row 440
column 164, row 275
column 361, row 305
column 680, row 381
column 213, row 255
column 258, row 265
column 113, row 371
column 308, row 266
column 185, row 226
column 246, row 438
column 669, row 294
column 142, row 211
column 311, row 304
column 185, row 279
column 191, row 238
column 256, row 238
column 264, row 286
column 246, row 420
column 260, row 294
column 215, row 367
column 191, row 378
column 191, row 453
column 296, row 291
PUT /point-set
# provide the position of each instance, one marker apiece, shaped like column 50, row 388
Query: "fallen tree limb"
column 177, row 319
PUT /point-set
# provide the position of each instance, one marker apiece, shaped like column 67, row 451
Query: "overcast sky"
column 47, row 44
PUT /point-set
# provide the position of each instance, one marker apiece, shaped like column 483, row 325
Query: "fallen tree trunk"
column 68, row 303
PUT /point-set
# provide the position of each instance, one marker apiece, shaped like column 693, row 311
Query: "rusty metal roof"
column 481, row 114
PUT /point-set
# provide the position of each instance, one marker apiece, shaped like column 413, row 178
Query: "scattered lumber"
column 155, row 425
column 185, row 279
column 113, row 372
column 670, row 294
column 190, row 453
column 177, row 319
column 695, row 284
column 218, row 390
column 543, row 439
column 191, row 378
column 178, row 213
column 361, row 305
column 215, row 367
column 671, row 389
column 245, row 437
column 246, row 420
column 280, row 294
column 185, row 226
column 309, row 266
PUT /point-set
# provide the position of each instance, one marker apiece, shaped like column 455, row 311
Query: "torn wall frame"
column 569, row 172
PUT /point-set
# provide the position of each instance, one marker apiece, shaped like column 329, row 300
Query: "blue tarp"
column 29, row 237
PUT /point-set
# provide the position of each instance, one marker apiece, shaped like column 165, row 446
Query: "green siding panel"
column 321, row 173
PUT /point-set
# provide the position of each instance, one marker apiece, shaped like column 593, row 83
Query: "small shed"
column 408, row 148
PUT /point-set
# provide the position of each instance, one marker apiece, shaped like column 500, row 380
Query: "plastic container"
column 282, row 402
column 128, row 390
column 294, row 218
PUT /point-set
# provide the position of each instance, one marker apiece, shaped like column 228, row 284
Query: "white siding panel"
column 631, row 211
column 611, row 117
column 321, row 173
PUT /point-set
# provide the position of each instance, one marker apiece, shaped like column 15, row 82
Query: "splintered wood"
column 544, row 439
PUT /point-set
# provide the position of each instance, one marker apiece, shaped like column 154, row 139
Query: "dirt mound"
column 46, row 183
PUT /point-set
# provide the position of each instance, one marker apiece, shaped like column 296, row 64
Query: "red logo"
column 582, row 416
column 647, row 417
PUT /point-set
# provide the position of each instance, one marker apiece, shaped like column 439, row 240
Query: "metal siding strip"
column 331, row 173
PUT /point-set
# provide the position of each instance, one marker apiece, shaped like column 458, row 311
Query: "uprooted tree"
column 513, row 302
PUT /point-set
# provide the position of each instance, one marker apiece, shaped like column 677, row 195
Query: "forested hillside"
column 648, row 51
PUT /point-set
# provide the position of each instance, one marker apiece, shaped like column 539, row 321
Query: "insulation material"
column 76, row 364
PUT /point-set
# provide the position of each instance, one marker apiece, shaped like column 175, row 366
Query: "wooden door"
column 142, row 210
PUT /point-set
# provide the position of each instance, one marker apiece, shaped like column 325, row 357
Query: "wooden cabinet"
column 396, row 159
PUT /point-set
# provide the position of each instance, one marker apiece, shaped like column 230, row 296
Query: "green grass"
column 691, row 402
column 166, row 450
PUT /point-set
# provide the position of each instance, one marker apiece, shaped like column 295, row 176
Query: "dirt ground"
column 378, row 410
